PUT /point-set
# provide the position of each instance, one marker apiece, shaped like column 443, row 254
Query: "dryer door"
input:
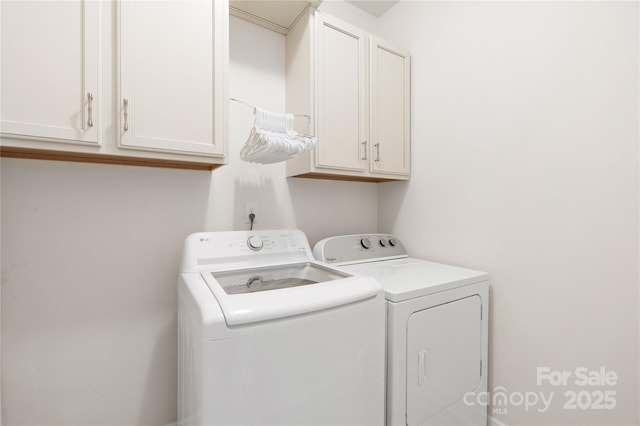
column 444, row 349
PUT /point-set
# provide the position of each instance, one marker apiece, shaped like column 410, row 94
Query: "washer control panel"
column 208, row 249
column 359, row 248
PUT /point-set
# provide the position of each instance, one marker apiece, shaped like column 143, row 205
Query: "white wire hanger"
column 253, row 107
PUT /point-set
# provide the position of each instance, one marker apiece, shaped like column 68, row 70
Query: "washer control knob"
column 365, row 243
column 393, row 242
column 255, row 243
column 383, row 242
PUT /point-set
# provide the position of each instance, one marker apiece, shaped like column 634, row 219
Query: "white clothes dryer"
column 437, row 330
column 269, row 336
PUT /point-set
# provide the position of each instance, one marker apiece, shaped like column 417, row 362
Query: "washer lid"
column 278, row 291
column 407, row 278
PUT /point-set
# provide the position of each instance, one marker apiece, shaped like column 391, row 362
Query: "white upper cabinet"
column 49, row 72
column 172, row 93
column 60, row 60
column 356, row 90
column 390, row 109
column 342, row 95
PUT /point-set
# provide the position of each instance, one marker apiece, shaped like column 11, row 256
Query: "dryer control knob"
column 255, row 243
column 365, row 243
column 383, row 242
column 393, row 242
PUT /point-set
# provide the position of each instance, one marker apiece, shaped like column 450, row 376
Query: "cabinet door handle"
column 90, row 109
column 377, row 152
column 125, row 101
column 364, row 147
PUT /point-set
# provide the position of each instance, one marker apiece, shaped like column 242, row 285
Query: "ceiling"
column 374, row 7
column 281, row 15
column 277, row 15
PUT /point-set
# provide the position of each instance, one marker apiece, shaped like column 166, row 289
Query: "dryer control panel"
column 346, row 249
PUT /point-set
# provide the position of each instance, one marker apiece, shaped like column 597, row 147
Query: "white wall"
column 89, row 263
column 525, row 164
column 90, row 256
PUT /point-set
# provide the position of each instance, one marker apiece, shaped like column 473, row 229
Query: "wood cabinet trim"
column 43, row 154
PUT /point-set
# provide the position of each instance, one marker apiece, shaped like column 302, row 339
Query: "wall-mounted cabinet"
column 390, row 109
column 49, row 75
column 171, row 66
column 172, row 95
column 356, row 89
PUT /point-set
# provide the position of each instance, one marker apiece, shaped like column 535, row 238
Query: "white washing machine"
column 437, row 330
column 269, row 336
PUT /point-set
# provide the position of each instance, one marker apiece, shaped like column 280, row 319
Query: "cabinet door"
column 173, row 60
column 341, row 95
column 49, row 71
column 390, row 109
